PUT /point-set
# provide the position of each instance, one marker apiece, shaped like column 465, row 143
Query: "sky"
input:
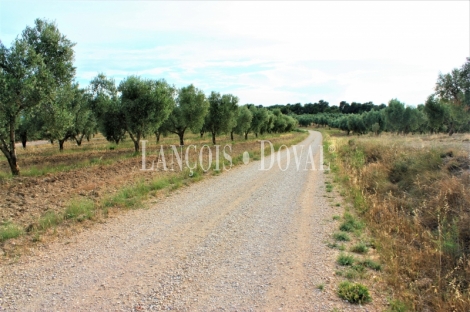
column 265, row 52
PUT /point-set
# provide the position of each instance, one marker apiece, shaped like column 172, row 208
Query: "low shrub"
column 360, row 248
column 9, row 230
column 342, row 237
column 372, row 264
column 345, row 260
column 351, row 224
column 354, row 292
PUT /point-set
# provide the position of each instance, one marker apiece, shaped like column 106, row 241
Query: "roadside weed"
column 345, row 260
column 9, row 230
column 360, row 248
column 341, row 236
column 354, row 292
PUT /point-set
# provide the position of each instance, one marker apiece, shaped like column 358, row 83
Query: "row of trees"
column 324, row 107
column 141, row 107
column 433, row 117
column 447, row 110
column 40, row 99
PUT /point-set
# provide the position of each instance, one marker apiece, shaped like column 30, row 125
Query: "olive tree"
column 394, row 114
column 63, row 115
column 454, row 90
column 37, row 62
column 222, row 114
column 29, row 128
column 268, row 125
column 106, row 106
column 260, row 117
column 189, row 112
column 244, row 119
column 145, row 104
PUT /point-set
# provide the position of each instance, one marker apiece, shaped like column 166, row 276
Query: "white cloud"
column 269, row 51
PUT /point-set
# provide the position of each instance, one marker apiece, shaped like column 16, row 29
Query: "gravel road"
column 244, row 240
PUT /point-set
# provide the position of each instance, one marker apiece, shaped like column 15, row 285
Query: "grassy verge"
column 415, row 201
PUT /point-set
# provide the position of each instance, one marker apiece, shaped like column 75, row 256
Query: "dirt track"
column 245, row 240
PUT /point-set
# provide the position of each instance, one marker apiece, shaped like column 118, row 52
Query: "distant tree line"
column 445, row 111
column 324, row 107
column 39, row 99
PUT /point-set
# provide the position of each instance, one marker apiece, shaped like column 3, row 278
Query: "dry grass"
column 413, row 193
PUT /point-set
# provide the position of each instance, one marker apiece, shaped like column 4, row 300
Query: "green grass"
column 360, row 247
column 355, row 271
column 79, row 210
column 397, row 306
column 9, row 230
column 350, row 224
column 345, row 260
column 5, row 176
column 176, row 185
column 372, row 264
column 321, row 287
column 132, row 197
column 336, row 218
column 342, row 237
column 49, row 219
column 125, row 198
column 354, row 292
column 350, row 274
column 159, row 184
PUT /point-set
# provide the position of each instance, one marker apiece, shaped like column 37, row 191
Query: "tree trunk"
column 61, row 145
column 213, row 138
column 10, row 153
column 116, row 141
column 136, row 142
column 231, row 135
column 79, row 141
column 11, row 157
column 246, row 135
column 13, row 162
column 157, row 135
column 24, row 139
column 181, row 136
column 451, row 130
column 202, row 134
column 256, row 134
